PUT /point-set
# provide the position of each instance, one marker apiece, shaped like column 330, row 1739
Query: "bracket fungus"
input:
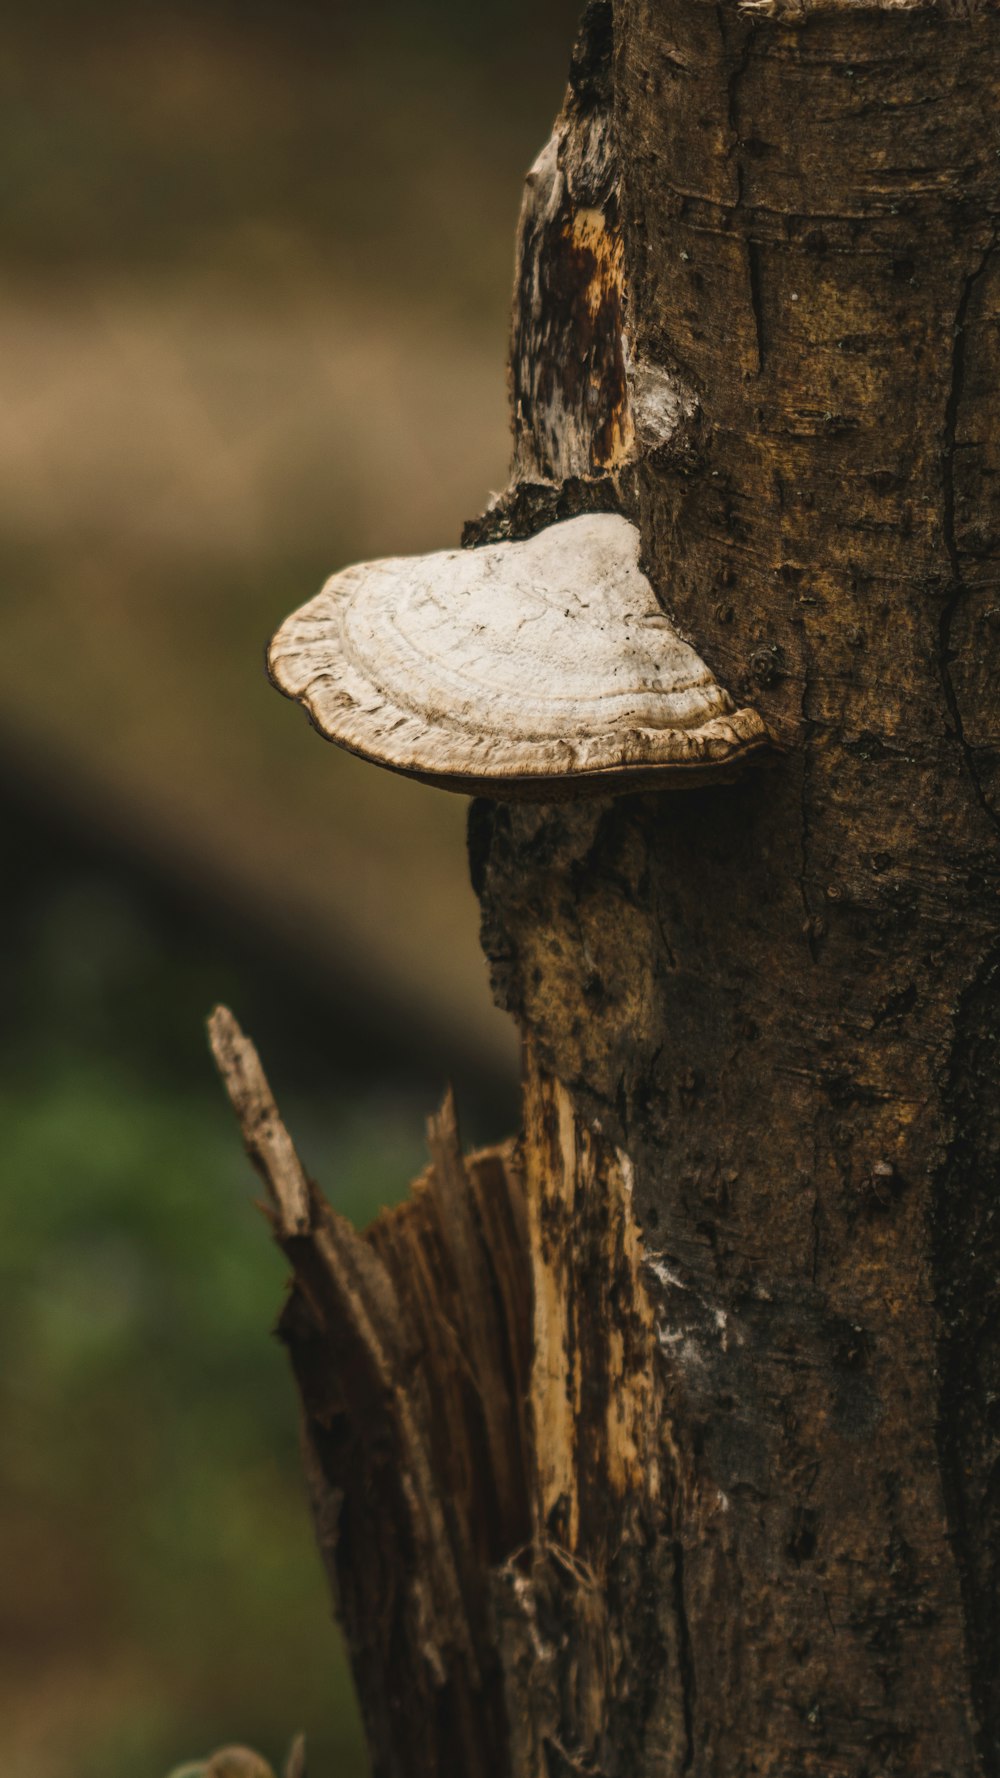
column 537, row 669
column 243, row 1762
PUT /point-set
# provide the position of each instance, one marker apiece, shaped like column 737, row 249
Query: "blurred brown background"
column 253, row 313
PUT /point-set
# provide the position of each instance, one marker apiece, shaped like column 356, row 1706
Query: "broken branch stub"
column 410, row 1343
column 534, row 669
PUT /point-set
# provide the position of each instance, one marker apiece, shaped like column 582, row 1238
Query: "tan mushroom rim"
column 536, row 669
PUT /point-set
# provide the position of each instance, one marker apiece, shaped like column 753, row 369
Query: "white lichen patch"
column 533, row 668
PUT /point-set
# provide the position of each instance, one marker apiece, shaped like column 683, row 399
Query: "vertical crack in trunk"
column 810, row 924
column 739, row 57
column 967, row 1265
column 957, row 589
column 685, row 1660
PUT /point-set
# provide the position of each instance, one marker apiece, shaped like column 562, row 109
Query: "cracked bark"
column 752, row 1213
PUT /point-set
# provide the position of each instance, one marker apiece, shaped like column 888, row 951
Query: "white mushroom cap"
column 533, row 669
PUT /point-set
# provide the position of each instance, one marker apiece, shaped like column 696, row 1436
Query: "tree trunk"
column 750, row 1521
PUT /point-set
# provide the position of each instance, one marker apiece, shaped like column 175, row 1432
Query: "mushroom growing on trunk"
column 538, row 669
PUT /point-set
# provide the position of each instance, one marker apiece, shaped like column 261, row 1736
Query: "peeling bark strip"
column 582, row 402
column 568, row 385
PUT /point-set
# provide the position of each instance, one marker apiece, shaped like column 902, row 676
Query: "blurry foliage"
column 154, row 1511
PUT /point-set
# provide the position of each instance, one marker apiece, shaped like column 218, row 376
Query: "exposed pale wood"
column 267, row 1141
column 295, row 1765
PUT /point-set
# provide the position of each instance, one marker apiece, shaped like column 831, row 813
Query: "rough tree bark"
column 733, row 1507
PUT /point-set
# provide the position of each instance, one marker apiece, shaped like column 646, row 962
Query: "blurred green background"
column 253, row 312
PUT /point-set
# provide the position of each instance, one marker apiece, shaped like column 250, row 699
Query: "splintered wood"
column 410, row 1344
column 483, row 1430
column 571, row 1622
